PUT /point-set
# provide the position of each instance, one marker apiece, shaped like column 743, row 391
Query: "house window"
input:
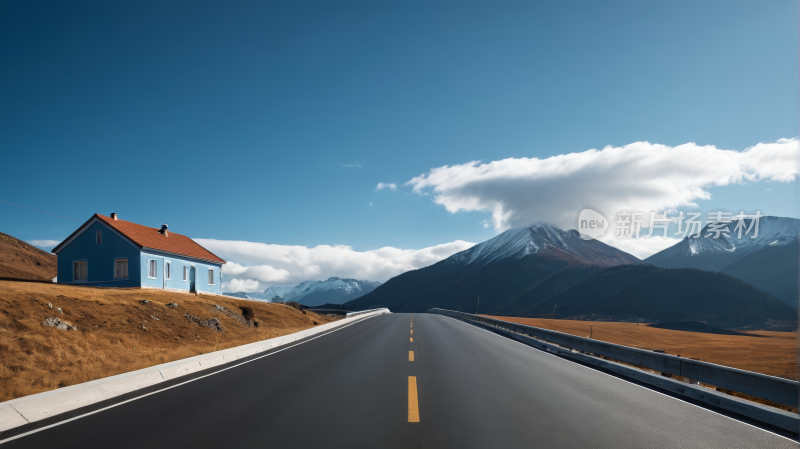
column 185, row 273
column 210, row 277
column 98, row 238
column 167, row 270
column 120, row 268
column 79, row 271
column 153, row 272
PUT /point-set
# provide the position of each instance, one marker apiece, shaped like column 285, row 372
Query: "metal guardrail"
column 782, row 391
column 361, row 312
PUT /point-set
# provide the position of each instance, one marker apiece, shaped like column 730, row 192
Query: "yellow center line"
column 413, row 404
column 412, row 331
column 410, row 356
column 412, row 339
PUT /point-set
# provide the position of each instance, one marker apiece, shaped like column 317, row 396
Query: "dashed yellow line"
column 412, row 339
column 412, row 331
column 410, row 356
column 413, row 403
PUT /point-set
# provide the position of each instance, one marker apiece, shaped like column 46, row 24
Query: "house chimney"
column 164, row 230
column 114, row 216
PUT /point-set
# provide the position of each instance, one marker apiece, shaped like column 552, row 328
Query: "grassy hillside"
column 117, row 333
column 20, row 260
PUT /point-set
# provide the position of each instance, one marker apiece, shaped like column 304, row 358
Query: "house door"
column 191, row 280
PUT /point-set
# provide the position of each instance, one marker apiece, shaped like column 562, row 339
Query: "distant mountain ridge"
column 334, row 290
column 769, row 262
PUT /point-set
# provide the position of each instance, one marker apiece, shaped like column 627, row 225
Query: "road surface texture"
column 353, row 388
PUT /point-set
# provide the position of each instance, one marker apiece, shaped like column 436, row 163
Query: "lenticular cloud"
column 520, row 191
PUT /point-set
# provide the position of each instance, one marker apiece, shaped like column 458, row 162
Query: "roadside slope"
column 117, row 333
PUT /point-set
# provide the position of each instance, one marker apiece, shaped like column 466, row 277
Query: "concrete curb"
column 762, row 413
column 28, row 409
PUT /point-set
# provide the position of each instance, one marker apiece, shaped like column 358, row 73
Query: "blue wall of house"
column 99, row 258
column 176, row 278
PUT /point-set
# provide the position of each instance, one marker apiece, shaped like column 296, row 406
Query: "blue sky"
column 274, row 121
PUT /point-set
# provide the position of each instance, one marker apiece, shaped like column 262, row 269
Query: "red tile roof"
column 147, row 237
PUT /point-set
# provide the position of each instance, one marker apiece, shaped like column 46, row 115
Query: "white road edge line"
column 173, row 386
column 618, row 378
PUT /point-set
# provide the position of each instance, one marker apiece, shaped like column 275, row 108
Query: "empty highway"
column 403, row 380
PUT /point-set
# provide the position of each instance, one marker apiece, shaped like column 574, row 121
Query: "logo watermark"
column 591, row 223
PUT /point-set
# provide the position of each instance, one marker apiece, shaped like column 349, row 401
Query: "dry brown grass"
column 773, row 353
column 36, row 358
column 23, row 261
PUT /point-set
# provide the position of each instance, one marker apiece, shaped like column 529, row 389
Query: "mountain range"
column 769, row 262
column 542, row 269
column 334, row 290
column 513, row 271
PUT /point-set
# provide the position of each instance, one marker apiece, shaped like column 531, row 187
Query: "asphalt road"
column 352, row 389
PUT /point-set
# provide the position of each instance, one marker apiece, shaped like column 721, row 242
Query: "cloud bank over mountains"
column 254, row 266
column 520, row 191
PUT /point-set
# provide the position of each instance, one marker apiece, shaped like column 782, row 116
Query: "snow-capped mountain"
column 331, row 291
column 714, row 254
column 512, row 271
column 769, row 262
column 266, row 295
column 539, row 238
column 278, row 290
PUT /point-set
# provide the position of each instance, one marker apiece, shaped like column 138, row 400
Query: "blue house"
column 109, row 252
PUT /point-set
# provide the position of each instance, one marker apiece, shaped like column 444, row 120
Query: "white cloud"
column 352, row 165
column 520, row 191
column 370, row 204
column 386, row 185
column 44, row 243
column 263, row 273
column 241, row 285
column 289, row 265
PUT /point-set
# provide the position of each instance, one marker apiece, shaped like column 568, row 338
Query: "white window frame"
column 86, row 263
column 168, row 270
column 185, row 273
column 126, row 268
column 149, row 271
column 98, row 237
column 211, row 277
